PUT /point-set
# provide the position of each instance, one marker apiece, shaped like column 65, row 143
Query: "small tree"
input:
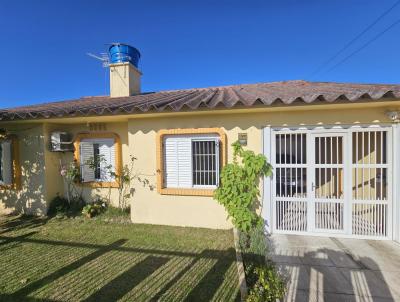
column 125, row 178
column 71, row 176
column 238, row 191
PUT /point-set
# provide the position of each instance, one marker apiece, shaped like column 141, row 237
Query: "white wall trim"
column 267, row 184
column 395, row 182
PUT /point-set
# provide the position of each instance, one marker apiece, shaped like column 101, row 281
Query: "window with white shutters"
column 191, row 161
column 6, row 166
column 97, row 160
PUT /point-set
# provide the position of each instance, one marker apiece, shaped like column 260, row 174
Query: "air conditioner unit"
column 61, row 142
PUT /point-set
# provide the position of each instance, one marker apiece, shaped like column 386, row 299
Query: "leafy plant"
column 263, row 279
column 239, row 191
column 254, row 243
column 127, row 175
column 61, row 206
column 125, row 178
column 269, row 286
column 58, row 205
column 93, row 209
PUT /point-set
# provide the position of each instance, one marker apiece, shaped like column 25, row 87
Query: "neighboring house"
column 334, row 148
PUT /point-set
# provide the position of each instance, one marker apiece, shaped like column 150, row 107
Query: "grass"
column 113, row 214
column 78, row 259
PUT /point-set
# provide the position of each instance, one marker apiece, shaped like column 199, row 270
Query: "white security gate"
column 327, row 188
column 334, row 181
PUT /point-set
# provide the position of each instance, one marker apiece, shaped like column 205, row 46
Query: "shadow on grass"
column 125, row 282
column 203, row 288
column 16, row 223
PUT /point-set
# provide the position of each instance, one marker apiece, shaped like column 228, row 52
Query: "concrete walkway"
column 332, row 269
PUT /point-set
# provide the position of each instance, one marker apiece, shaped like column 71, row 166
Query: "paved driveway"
column 332, row 269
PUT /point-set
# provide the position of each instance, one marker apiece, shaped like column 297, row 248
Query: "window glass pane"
column 205, row 162
column 97, row 161
column 6, row 162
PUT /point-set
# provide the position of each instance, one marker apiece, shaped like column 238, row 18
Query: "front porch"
column 338, row 269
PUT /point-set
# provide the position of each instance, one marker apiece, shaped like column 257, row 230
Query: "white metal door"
column 290, row 182
column 370, row 186
column 327, row 195
column 332, row 181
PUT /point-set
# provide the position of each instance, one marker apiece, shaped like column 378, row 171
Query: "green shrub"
column 76, row 206
column 239, row 191
column 262, row 278
column 254, row 241
column 269, row 286
column 93, row 209
column 254, row 250
column 61, row 206
column 58, row 205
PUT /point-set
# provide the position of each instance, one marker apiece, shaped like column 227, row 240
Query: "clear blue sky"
column 187, row 44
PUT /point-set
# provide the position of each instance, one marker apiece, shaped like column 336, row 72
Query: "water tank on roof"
column 120, row 53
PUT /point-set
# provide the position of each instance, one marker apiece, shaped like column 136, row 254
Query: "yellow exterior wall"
column 150, row 207
column 54, row 181
column 31, row 198
column 200, row 211
column 40, row 172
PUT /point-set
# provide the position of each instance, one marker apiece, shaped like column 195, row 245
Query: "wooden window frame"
column 16, row 183
column 118, row 157
column 160, row 160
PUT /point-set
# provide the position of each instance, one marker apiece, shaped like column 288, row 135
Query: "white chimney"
column 124, row 73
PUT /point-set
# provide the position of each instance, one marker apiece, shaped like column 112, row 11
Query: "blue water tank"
column 120, row 53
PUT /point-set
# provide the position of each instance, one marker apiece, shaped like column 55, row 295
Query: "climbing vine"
column 239, row 191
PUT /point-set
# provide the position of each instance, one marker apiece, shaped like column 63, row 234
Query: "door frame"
column 268, row 143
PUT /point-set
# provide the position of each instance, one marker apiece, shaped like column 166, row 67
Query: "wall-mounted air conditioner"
column 61, row 142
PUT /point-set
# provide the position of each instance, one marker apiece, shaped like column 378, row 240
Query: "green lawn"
column 92, row 260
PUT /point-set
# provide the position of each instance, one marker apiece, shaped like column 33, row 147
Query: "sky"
column 187, row 44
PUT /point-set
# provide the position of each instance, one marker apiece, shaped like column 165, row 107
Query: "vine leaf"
column 238, row 190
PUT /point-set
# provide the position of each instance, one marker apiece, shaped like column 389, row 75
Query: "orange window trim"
column 118, row 157
column 160, row 160
column 16, row 185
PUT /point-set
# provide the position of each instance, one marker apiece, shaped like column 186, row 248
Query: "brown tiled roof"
column 248, row 95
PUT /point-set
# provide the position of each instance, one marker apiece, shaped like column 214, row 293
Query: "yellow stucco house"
column 334, row 149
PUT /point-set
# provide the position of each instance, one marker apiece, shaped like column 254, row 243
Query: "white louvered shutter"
column 178, row 162
column 107, row 153
column 185, row 162
column 86, row 154
column 171, row 163
column 6, row 163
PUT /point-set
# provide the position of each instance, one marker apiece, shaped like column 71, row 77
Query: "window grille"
column 205, row 162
